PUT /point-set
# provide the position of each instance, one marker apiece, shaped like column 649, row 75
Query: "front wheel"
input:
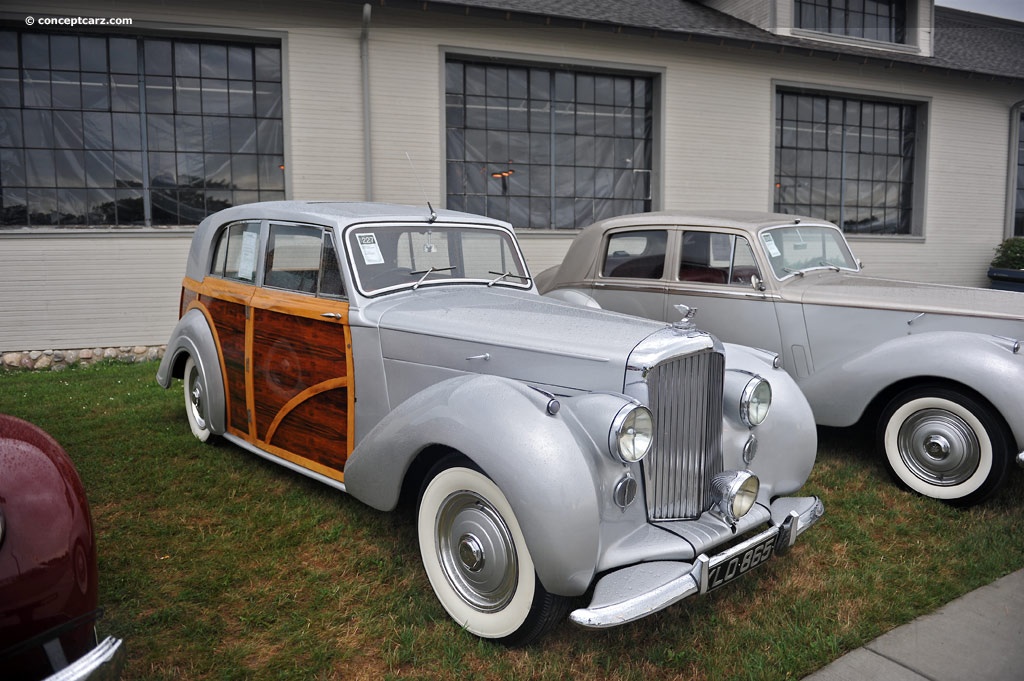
column 196, row 405
column 476, row 559
column 944, row 444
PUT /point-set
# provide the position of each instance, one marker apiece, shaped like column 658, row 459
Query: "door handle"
column 332, row 315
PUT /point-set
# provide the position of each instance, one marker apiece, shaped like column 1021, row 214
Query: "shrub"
column 1010, row 254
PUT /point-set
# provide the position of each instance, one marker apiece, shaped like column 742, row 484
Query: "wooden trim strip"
column 311, row 391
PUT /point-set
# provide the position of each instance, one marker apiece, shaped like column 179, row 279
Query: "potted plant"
column 1007, row 269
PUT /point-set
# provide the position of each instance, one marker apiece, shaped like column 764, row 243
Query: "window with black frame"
column 544, row 147
column 884, row 20
column 848, row 160
column 1018, row 213
column 116, row 130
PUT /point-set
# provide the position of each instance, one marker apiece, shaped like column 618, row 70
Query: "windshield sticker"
column 769, row 243
column 247, row 259
column 370, row 249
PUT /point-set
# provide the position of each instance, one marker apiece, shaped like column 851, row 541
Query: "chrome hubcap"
column 476, row 551
column 195, row 391
column 939, row 447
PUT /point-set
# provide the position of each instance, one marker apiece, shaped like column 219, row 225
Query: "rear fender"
column 988, row 364
column 193, row 337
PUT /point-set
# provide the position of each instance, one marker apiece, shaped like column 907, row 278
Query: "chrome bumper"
column 105, row 662
column 636, row 591
column 1020, row 459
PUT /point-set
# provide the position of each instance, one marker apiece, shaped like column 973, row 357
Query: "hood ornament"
column 686, row 323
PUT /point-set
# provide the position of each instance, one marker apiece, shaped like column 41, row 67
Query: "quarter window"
column 847, row 160
column 236, row 252
column 126, row 130
column 544, row 147
column 884, row 20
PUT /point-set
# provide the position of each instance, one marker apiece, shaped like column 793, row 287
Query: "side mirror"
column 756, row 283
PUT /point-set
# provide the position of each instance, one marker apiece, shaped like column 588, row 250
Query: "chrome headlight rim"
column 632, row 433
column 735, row 493
column 755, row 401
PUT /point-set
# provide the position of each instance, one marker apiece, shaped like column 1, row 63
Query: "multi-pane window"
column 1018, row 213
column 120, row 130
column 884, row 20
column 848, row 160
column 543, row 147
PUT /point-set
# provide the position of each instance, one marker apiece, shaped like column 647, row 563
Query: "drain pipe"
column 364, row 57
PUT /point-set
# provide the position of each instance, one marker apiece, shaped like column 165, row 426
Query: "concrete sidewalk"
column 977, row 637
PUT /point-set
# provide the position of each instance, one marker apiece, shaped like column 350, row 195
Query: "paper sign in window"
column 247, row 260
column 370, row 249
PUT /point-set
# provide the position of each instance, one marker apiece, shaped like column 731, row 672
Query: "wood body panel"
column 300, row 374
column 286, row 360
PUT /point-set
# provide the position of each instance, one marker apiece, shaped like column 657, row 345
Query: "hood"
column 853, row 290
column 510, row 333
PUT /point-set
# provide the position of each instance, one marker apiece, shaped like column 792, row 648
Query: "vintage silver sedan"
column 391, row 351
column 938, row 368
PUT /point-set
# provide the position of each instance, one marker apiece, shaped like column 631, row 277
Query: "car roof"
column 738, row 219
column 582, row 259
column 337, row 214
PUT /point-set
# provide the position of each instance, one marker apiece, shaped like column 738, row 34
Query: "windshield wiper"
column 790, row 270
column 504, row 275
column 427, row 272
column 831, row 266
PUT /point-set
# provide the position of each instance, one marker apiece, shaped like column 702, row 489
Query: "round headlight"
column 734, row 494
column 632, row 433
column 755, row 401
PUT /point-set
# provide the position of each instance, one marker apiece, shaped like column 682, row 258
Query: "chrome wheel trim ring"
column 939, row 447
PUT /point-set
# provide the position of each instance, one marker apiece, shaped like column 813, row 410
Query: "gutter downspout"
column 364, row 58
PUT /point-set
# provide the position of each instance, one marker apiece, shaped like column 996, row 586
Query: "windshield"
column 392, row 257
column 797, row 248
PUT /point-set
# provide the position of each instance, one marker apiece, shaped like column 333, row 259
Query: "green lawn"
column 215, row 564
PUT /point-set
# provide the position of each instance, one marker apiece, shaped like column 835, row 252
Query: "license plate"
column 728, row 569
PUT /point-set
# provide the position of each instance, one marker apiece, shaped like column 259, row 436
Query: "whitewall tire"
column 944, row 444
column 197, row 406
column 476, row 558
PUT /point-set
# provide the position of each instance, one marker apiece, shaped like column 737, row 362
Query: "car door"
column 299, row 352
column 717, row 274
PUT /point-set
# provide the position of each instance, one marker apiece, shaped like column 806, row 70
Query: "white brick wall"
column 715, row 146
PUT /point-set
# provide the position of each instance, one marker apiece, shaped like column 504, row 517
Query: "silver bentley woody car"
column 937, row 369
column 549, row 448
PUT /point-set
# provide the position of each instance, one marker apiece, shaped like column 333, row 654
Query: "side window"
column 294, row 258
column 639, row 255
column 716, row 258
column 235, row 255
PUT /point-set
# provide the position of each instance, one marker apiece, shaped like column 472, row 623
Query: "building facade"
column 898, row 120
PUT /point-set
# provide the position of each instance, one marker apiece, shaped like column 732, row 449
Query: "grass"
column 215, row 564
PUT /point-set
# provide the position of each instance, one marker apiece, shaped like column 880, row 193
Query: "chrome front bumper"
column 636, row 591
column 1020, row 459
column 105, row 662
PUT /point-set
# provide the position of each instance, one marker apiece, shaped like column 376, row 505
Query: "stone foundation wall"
column 57, row 360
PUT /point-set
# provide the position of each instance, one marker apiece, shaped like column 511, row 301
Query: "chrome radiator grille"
column 686, row 399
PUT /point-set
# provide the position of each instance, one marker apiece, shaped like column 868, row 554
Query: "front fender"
column 988, row 364
column 193, row 337
column 787, row 440
column 542, row 462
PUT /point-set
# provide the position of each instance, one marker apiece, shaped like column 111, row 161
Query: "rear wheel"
column 944, row 444
column 476, row 558
column 196, row 405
